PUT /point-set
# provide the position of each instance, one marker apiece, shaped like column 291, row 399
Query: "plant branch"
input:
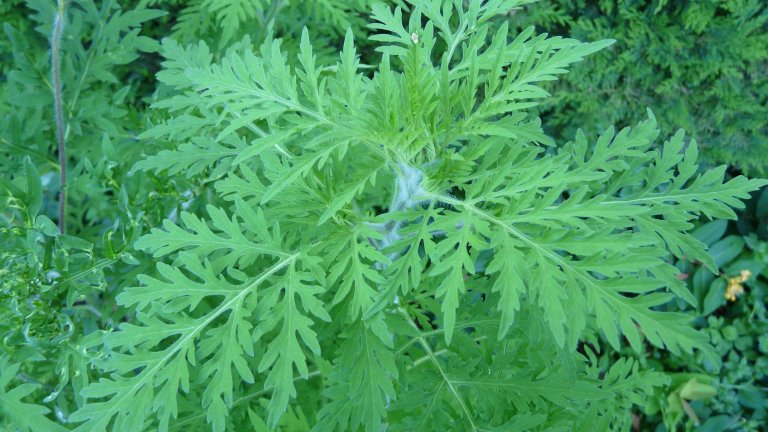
column 58, row 27
column 448, row 382
column 21, row 376
column 30, row 151
column 245, row 398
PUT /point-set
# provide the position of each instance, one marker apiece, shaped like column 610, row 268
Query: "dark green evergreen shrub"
column 701, row 65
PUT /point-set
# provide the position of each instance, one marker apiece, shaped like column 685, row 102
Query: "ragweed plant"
column 400, row 248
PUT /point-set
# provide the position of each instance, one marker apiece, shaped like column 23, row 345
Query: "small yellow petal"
column 734, row 289
column 745, row 275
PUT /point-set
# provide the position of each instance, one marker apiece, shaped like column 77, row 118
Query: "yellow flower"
column 735, row 287
column 745, row 274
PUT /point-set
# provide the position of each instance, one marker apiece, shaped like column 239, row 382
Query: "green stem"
column 446, row 379
column 192, row 419
column 99, row 265
column 31, row 151
column 58, row 27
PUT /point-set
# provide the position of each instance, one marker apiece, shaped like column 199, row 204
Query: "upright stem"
column 408, row 192
column 58, row 26
column 274, row 8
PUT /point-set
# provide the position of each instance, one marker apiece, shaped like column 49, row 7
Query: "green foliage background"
column 163, row 171
column 700, row 65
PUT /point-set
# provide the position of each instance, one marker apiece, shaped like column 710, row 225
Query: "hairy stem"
column 408, row 193
column 58, row 27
